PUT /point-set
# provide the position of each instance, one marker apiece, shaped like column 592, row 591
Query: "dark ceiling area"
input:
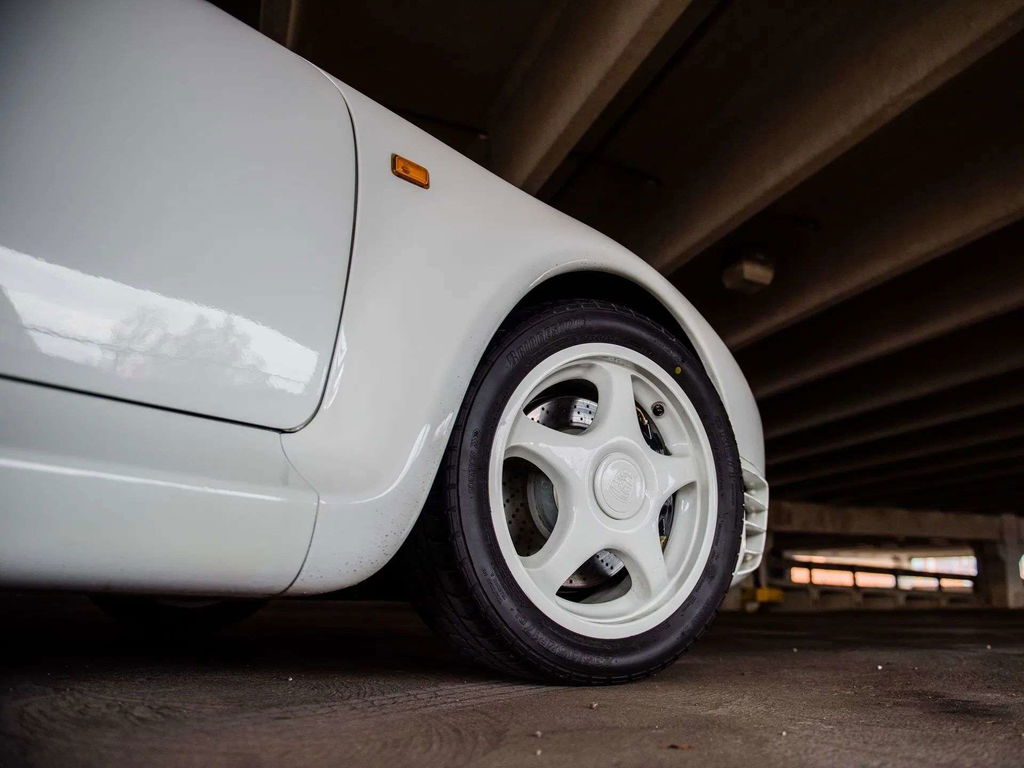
column 857, row 168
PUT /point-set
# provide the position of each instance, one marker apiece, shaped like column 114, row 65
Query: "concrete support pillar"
column 999, row 581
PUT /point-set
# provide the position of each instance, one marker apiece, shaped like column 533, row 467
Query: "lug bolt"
column 658, row 409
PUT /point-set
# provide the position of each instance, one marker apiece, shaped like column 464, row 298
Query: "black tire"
column 161, row 617
column 465, row 590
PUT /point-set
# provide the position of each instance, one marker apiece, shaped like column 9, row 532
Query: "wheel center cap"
column 619, row 486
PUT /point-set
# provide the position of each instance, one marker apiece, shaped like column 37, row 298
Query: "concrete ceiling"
column 873, row 152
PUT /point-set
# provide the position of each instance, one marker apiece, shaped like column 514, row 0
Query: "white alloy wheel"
column 586, row 519
column 603, row 490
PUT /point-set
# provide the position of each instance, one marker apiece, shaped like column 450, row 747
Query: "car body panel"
column 157, row 499
column 435, row 272
column 178, row 193
column 105, row 495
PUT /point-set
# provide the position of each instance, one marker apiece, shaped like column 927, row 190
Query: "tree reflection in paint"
column 145, row 349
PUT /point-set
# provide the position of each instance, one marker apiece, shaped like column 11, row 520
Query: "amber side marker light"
column 410, row 171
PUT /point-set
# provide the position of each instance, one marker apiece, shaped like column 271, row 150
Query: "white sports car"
column 259, row 337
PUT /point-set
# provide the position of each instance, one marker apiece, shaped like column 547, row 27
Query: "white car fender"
column 433, row 274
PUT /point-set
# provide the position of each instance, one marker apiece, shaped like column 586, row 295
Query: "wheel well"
column 609, row 287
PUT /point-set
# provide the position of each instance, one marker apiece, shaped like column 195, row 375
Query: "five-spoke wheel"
column 585, row 522
column 624, row 488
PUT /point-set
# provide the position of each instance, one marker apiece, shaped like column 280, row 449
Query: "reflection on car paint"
column 136, row 479
column 137, row 334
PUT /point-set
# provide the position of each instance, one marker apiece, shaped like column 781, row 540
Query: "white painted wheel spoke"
column 571, row 544
column 641, row 552
column 616, row 401
column 561, row 456
column 673, row 473
column 608, row 487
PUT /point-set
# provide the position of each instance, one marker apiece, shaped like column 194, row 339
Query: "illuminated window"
column 830, row 578
column 876, row 580
column 965, row 564
column 826, row 569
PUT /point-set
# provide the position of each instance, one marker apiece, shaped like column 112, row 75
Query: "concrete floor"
column 347, row 684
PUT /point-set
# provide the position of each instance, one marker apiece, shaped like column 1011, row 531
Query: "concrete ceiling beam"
column 870, row 484
column 586, row 53
column 944, row 407
column 998, row 489
column 969, row 355
column 889, row 522
column 974, row 433
column 1000, row 464
column 982, row 280
column 935, row 214
column 784, row 139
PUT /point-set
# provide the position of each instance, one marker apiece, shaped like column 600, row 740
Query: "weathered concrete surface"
column 347, row 684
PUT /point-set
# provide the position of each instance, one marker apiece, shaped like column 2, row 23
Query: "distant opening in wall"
column 882, row 569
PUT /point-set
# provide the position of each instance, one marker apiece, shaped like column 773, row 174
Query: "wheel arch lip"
column 427, row 290
column 657, row 298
